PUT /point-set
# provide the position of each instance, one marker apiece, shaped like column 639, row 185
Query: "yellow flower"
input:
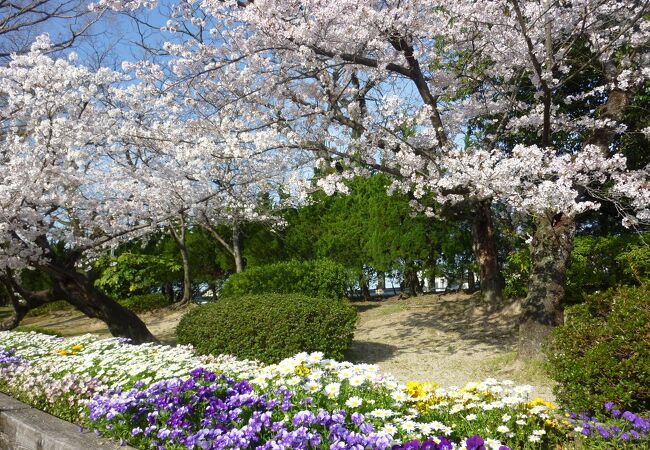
column 552, row 423
column 77, row 347
column 537, row 401
column 302, row 370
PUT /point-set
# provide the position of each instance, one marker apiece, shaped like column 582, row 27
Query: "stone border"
column 25, row 428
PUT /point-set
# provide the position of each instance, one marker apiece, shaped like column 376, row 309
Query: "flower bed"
column 155, row 396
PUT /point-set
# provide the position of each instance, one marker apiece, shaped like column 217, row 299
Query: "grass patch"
column 60, row 305
column 37, row 329
column 6, row 311
column 519, row 370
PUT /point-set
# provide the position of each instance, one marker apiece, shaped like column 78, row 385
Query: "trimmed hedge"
column 144, row 303
column 318, row 278
column 602, row 352
column 270, row 327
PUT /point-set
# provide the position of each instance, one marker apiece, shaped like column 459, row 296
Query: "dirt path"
column 448, row 339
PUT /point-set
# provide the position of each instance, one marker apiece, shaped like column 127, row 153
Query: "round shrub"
column 144, row 303
column 318, row 278
column 602, row 352
column 270, row 327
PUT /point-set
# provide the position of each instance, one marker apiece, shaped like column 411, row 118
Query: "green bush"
column 515, row 272
column 601, row 263
column 144, row 303
column 270, row 327
column 602, row 352
column 319, row 278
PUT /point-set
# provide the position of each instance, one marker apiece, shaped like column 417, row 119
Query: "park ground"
column 449, row 339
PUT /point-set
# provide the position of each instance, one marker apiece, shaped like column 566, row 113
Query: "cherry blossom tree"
column 94, row 158
column 468, row 101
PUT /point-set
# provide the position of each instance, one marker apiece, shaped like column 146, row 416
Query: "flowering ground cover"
column 155, row 396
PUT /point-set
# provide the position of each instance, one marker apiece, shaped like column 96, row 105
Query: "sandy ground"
column 449, row 339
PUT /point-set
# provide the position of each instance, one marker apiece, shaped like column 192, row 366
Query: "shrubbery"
column 600, row 263
column 319, row 278
column 144, row 303
column 270, row 327
column 601, row 353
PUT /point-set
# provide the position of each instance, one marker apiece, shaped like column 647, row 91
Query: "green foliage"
column 144, row 303
column 318, row 278
column 132, row 272
column 515, row 271
column 635, row 261
column 602, row 352
column 37, row 329
column 369, row 230
column 270, row 327
column 603, row 262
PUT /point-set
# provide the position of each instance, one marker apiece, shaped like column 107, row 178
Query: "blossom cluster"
column 156, row 396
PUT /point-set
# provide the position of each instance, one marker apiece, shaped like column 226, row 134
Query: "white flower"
column 399, row 396
column 408, row 425
column 356, row 380
column 353, row 402
column 315, row 358
column 312, row 386
column 381, row 413
column 332, row 390
column 470, row 417
column 503, row 429
column 534, row 438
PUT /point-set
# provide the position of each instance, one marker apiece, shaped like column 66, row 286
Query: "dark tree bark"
column 553, row 242
column 486, row 255
column 550, row 252
column 411, row 283
column 27, row 302
column 471, row 281
column 381, row 280
column 168, row 288
column 79, row 291
column 365, row 289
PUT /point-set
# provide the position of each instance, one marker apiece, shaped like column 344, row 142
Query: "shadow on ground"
column 369, row 352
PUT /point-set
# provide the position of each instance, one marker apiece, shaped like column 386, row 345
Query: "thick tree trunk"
column 486, row 255
column 168, row 289
column 365, row 289
column 471, row 282
column 28, row 301
column 550, row 252
column 236, row 247
column 381, row 280
column 79, row 291
column 411, row 283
